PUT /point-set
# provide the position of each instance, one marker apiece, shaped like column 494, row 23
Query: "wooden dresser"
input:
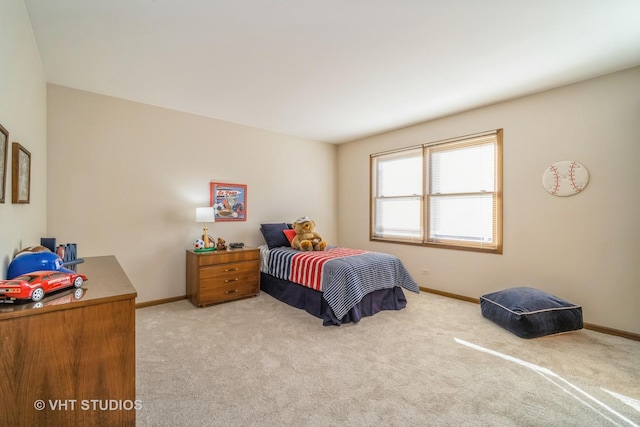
column 215, row 277
column 70, row 358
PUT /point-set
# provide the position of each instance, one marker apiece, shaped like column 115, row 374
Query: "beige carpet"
column 259, row 362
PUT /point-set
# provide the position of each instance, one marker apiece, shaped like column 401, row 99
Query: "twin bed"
column 338, row 285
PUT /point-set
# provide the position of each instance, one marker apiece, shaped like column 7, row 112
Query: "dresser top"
column 106, row 281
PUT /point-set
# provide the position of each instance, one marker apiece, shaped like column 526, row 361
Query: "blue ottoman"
column 530, row 313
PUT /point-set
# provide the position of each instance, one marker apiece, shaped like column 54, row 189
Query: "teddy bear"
column 222, row 245
column 306, row 239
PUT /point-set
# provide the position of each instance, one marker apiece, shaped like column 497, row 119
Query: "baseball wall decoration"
column 565, row 178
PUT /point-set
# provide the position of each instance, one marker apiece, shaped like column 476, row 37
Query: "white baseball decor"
column 565, row 178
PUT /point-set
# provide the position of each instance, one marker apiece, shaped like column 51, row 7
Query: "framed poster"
column 20, row 174
column 229, row 201
column 4, row 152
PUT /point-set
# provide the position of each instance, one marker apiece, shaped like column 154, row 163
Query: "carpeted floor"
column 259, row 362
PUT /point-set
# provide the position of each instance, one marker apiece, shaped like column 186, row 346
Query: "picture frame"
column 20, row 174
column 229, row 201
column 4, row 153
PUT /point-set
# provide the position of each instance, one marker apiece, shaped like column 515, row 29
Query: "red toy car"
column 36, row 284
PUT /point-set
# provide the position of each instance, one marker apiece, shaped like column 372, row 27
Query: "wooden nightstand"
column 215, row 277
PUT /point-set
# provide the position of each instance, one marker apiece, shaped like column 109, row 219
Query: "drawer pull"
column 230, row 280
column 231, row 269
column 233, row 291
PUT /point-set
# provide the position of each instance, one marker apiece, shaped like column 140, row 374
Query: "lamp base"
column 205, row 238
column 205, row 249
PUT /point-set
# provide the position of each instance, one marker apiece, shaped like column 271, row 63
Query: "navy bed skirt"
column 313, row 303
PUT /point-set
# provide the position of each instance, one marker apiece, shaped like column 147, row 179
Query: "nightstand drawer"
column 229, row 271
column 220, row 291
column 225, row 257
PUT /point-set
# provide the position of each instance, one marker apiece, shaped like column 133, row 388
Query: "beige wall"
column 584, row 248
column 125, row 178
column 23, row 113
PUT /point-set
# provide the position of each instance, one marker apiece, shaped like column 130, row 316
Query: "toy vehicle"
column 57, row 298
column 36, row 284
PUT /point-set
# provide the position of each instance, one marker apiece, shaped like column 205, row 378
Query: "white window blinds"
column 446, row 194
column 398, row 195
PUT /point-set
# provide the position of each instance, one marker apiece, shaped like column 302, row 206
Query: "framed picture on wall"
column 229, row 201
column 4, row 153
column 20, row 174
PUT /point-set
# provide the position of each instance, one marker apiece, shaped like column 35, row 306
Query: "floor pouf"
column 530, row 313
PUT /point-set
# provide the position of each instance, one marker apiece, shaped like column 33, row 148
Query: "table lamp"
column 205, row 215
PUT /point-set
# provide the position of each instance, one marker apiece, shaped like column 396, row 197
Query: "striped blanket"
column 344, row 275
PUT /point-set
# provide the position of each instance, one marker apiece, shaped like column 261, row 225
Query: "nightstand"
column 216, row 277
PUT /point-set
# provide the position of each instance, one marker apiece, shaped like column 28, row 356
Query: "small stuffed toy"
column 306, row 239
column 222, row 245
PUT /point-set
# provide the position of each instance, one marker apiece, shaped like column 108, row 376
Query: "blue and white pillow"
column 531, row 313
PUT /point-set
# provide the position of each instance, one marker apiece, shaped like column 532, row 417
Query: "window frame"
column 496, row 246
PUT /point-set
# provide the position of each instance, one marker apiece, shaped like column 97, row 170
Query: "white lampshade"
column 205, row 214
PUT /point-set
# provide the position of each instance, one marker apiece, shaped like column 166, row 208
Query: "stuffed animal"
column 306, row 239
column 222, row 245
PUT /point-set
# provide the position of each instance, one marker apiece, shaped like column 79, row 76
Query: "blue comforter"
column 344, row 280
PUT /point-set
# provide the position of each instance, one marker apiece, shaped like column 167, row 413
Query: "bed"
column 338, row 285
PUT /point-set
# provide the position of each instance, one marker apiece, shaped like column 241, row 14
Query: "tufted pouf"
column 530, row 313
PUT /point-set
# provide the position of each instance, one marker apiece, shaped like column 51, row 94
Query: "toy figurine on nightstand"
column 222, row 245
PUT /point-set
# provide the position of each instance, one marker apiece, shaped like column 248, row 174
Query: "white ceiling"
column 330, row 70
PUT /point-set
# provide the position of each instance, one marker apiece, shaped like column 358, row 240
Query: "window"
column 444, row 194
